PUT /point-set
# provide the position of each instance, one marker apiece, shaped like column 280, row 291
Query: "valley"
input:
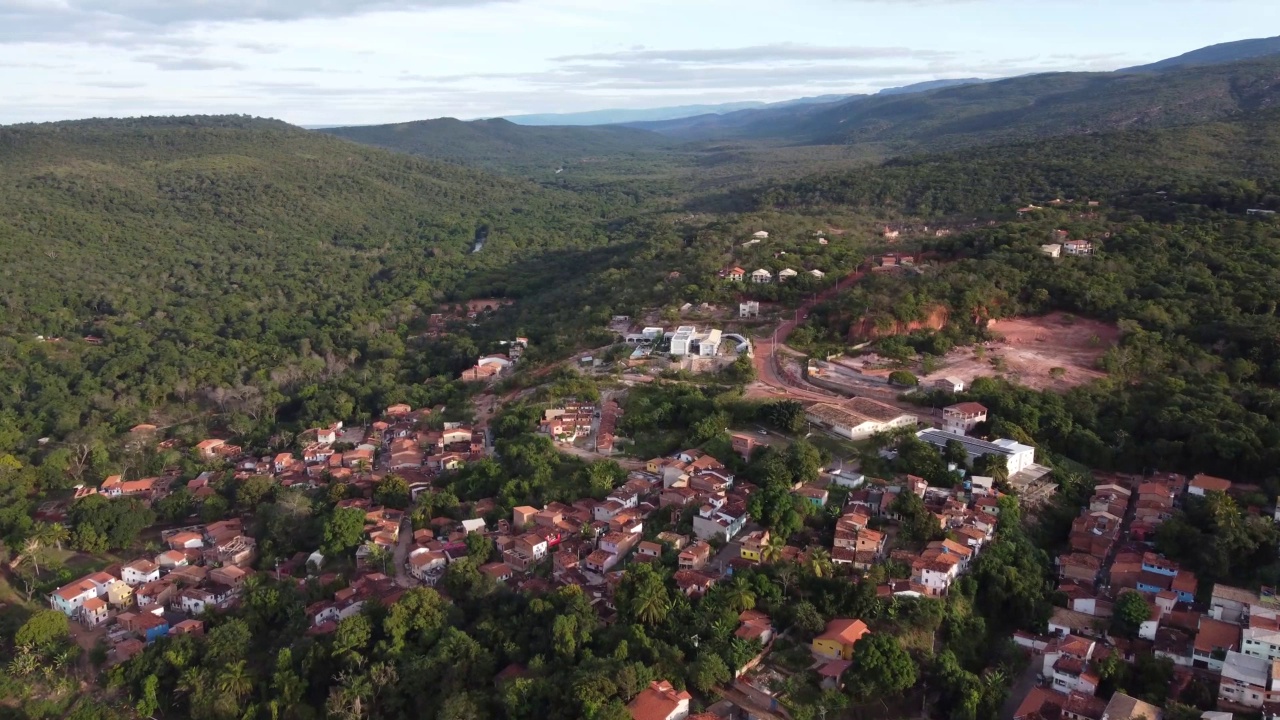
column 863, row 406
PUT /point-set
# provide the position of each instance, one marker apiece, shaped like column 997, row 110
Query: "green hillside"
column 505, row 146
column 228, row 252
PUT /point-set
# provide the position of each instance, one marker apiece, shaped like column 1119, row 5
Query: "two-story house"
column 1214, row 640
column 139, row 572
column 695, row 556
column 71, row 597
column 1248, row 680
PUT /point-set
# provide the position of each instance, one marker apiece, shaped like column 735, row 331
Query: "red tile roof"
column 657, row 702
column 845, row 632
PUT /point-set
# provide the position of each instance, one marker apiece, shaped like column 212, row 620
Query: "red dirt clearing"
column 1027, row 350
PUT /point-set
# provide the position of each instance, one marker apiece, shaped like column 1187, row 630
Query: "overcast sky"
column 374, row 61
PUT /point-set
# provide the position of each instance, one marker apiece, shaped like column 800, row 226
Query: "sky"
column 349, row 62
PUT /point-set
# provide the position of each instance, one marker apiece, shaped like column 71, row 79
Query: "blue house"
column 1158, row 573
column 151, row 627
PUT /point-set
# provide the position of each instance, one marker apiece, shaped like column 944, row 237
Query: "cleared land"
column 1053, row 352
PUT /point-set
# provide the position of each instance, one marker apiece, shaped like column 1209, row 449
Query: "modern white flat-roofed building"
column 681, row 339
column 1017, row 456
column 688, row 341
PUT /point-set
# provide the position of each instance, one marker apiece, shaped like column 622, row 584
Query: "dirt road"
column 585, row 454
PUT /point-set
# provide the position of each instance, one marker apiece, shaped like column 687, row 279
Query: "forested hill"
column 230, row 253
column 106, row 218
column 505, row 146
column 1021, row 108
column 1244, row 153
column 1215, row 54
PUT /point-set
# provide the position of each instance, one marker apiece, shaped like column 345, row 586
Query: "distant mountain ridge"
column 1215, row 54
column 624, row 116
column 1005, row 110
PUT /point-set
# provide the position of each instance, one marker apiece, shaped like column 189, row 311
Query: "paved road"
column 1021, row 686
column 767, row 369
column 401, row 555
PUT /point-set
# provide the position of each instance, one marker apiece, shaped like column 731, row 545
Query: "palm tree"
column 52, row 534
column 31, row 553
column 652, row 606
column 739, row 596
column 820, row 562
column 189, row 681
column 772, row 550
column 235, row 681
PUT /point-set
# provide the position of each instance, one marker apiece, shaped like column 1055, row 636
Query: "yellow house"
column 840, row 637
column 752, row 547
column 119, row 593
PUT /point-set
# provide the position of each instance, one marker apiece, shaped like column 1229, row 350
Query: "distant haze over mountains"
column 620, row 116
column 1215, row 83
column 643, row 117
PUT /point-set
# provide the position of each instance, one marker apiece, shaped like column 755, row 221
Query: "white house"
column 71, row 597
column 848, row 479
column 786, row 274
column 711, row 522
column 1248, row 680
column 751, row 308
column 139, row 571
column 950, row 384
column 1077, row 247
column 762, row 277
column 424, row 563
column 937, row 577
column 1261, row 642
column 817, row 274
column 963, row 417
column 194, row 601
column 760, row 235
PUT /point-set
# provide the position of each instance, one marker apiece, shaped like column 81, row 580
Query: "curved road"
column 767, row 370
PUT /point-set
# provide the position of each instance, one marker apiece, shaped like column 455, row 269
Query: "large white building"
column 686, row 340
column 859, row 418
column 1017, row 457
